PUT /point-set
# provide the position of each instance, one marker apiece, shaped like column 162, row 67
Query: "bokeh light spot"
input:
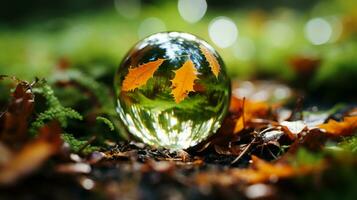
column 223, row 32
column 192, row 10
column 318, row 31
column 279, row 34
column 150, row 26
column 128, row 8
column 244, row 49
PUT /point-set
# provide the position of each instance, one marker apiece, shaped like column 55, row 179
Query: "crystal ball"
column 172, row 90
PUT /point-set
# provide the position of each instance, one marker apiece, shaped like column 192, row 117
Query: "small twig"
column 243, row 152
column 271, row 153
column 266, row 130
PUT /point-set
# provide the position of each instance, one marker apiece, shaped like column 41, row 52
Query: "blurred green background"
column 309, row 44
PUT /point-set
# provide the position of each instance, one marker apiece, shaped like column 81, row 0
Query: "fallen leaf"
column 293, row 128
column 236, row 105
column 250, row 110
column 314, row 140
column 140, row 75
column 262, row 171
column 345, row 127
column 277, row 169
column 14, row 121
column 212, row 60
column 240, row 125
column 259, row 171
column 183, row 81
column 32, row 155
column 312, row 120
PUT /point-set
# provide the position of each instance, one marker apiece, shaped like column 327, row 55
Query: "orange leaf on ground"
column 183, row 81
column 140, row 75
column 240, row 125
column 345, row 127
column 212, row 60
column 249, row 109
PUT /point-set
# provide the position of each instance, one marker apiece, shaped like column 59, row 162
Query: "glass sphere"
column 172, row 90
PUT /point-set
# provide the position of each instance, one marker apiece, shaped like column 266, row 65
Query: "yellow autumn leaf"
column 345, row 127
column 212, row 60
column 183, row 81
column 140, row 75
column 249, row 110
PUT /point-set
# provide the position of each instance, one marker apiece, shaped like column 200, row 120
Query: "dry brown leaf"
column 32, row 155
column 14, row 121
column 138, row 76
column 345, row 127
column 183, row 81
column 212, row 60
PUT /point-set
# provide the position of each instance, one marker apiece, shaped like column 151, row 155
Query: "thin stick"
column 243, row 152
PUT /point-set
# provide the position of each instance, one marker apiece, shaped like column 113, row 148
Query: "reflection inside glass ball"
column 172, row 90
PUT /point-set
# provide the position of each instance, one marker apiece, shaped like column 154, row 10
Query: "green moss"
column 77, row 145
column 54, row 109
column 305, row 157
column 106, row 121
